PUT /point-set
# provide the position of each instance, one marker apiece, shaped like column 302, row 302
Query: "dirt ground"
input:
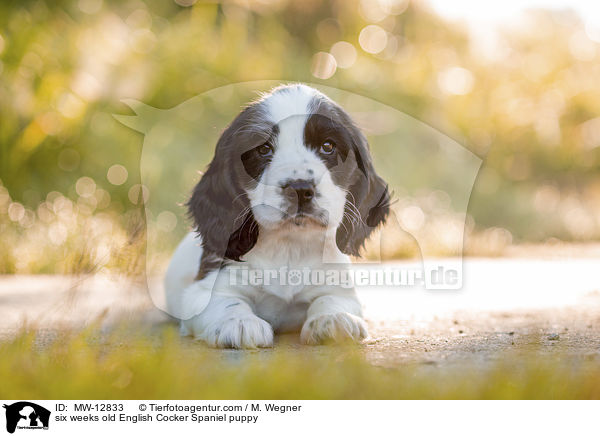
column 552, row 306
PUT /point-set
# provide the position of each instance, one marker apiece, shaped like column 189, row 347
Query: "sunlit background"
column 514, row 82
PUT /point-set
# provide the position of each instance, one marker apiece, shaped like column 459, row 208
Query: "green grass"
column 120, row 366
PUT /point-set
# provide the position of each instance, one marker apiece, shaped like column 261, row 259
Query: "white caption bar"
column 297, row 417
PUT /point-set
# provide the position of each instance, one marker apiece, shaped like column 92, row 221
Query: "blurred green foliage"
column 528, row 99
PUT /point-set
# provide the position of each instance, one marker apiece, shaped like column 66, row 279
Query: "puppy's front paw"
column 338, row 327
column 246, row 332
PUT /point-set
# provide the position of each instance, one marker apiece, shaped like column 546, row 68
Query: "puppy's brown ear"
column 219, row 217
column 219, row 205
column 368, row 200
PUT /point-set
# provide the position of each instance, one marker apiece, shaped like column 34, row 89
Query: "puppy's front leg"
column 228, row 322
column 333, row 317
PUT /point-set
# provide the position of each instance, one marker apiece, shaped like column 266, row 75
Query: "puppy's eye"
column 328, row 147
column 265, row 150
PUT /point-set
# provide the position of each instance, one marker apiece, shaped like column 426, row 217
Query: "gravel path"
column 550, row 306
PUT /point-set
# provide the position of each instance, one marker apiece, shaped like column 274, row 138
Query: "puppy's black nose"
column 301, row 191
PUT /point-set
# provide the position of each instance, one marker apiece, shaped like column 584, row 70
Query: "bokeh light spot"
column 372, row 39
column 166, row 221
column 140, row 18
column 50, row 122
column 86, row 86
column 85, row 187
column 373, row 11
column 344, row 54
column 45, row 214
column 456, row 80
column 323, row 65
column 117, row 174
column 68, row 159
column 16, row 211
column 581, row 47
column 394, row 7
column 138, row 194
column 70, row 105
column 328, row 30
column 102, row 198
column 412, row 218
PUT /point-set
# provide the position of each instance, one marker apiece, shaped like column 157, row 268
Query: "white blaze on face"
column 293, row 160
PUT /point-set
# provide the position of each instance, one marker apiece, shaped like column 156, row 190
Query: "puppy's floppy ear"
column 368, row 199
column 219, row 204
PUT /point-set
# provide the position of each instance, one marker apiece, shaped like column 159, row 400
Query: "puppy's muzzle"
column 300, row 193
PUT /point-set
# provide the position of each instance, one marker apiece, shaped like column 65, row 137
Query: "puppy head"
column 292, row 160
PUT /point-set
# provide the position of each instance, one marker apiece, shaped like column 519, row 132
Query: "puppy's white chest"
column 284, row 279
column 285, row 261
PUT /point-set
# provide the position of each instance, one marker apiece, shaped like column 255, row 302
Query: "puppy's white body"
column 244, row 316
column 309, row 189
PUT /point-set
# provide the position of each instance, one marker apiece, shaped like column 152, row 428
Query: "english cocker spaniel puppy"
column 290, row 193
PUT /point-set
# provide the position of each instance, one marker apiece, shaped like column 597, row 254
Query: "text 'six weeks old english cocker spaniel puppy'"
column 291, row 185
